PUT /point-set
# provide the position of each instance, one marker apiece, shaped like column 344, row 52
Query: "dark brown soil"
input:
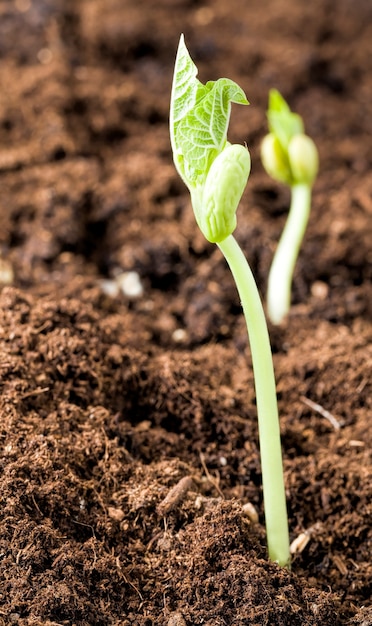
column 129, row 449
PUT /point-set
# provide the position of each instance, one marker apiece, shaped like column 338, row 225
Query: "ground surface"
column 109, row 400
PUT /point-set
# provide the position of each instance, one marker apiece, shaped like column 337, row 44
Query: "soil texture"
column 129, row 455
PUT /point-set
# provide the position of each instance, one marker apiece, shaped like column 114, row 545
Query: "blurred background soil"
column 129, row 461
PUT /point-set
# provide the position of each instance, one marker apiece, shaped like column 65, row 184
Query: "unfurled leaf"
column 199, row 118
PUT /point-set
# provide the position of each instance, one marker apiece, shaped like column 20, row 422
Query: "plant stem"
column 267, row 408
column 282, row 268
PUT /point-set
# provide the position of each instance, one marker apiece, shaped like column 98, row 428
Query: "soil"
column 130, row 470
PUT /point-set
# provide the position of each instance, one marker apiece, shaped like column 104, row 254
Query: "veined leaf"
column 185, row 85
column 199, row 117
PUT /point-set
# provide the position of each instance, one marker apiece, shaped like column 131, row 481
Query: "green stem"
column 267, row 408
column 282, row 268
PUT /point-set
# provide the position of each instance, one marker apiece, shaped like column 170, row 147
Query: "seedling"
column 291, row 157
column 216, row 174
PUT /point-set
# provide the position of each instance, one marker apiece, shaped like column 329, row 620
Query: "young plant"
column 291, row 157
column 216, row 174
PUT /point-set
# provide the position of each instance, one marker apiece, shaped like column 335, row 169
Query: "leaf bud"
column 275, row 159
column 303, row 159
column 223, row 189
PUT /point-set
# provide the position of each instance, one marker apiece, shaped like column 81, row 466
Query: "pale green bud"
column 222, row 191
column 275, row 160
column 303, row 158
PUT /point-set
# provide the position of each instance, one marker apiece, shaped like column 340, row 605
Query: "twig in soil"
column 34, row 392
column 340, row 565
column 322, row 411
column 175, row 496
column 212, row 480
column 361, row 385
column 36, row 505
column 216, row 174
column 126, row 580
column 289, row 156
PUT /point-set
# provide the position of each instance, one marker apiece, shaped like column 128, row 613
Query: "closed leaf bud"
column 275, row 159
column 303, row 159
column 223, row 189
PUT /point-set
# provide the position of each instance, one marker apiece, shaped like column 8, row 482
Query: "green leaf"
column 185, row 85
column 282, row 122
column 199, row 117
column 201, row 134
